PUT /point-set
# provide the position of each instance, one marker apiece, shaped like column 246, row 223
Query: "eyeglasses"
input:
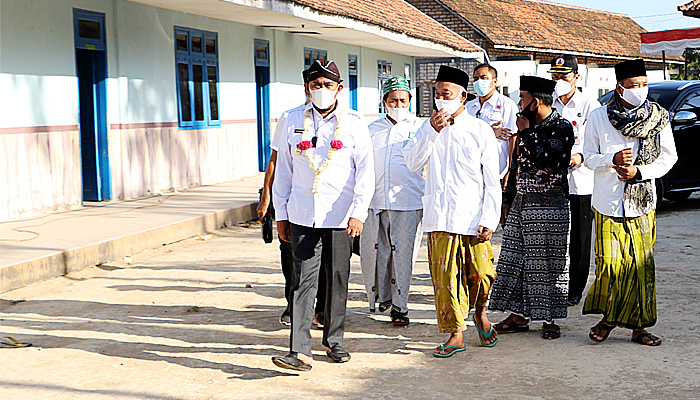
column 330, row 85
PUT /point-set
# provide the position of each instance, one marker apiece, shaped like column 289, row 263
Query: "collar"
column 317, row 115
column 548, row 121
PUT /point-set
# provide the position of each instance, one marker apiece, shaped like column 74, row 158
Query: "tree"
column 692, row 57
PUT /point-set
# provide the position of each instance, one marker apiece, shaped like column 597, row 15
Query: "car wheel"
column 659, row 193
column 678, row 196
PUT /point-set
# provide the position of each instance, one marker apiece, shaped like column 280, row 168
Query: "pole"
column 663, row 58
column 685, row 67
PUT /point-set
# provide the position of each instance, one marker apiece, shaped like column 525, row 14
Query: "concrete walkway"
column 36, row 249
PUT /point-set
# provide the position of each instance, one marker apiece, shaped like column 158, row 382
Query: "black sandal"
column 551, row 331
column 510, row 326
column 653, row 340
column 399, row 318
column 383, row 307
column 601, row 327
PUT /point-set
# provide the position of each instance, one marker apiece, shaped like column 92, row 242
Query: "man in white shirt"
column 286, row 259
column 324, row 182
column 497, row 110
column 461, row 209
column 391, row 236
column 629, row 143
column 573, row 105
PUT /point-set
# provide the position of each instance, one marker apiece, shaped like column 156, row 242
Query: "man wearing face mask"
column 460, row 209
column 323, row 185
column 629, row 143
column 532, row 279
column 497, row 110
column 286, row 247
column 391, row 235
column 573, row 105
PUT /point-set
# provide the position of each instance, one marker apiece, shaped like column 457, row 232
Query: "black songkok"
column 536, row 84
column 323, row 68
column 630, row 69
column 453, row 75
column 305, row 75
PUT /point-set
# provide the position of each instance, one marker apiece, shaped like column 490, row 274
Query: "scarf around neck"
column 644, row 123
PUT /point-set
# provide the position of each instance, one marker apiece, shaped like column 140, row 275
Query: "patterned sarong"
column 461, row 268
column 624, row 290
column 533, row 278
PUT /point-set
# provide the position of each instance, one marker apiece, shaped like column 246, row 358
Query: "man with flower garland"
column 324, row 182
column 461, row 209
column 392, row 235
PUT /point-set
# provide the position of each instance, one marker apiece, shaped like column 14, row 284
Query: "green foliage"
column 693, row 57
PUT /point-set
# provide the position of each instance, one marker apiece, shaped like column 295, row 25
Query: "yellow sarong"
column 462, row 271
column 624, row 290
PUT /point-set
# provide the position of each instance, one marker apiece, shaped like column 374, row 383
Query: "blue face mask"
column 482, row 87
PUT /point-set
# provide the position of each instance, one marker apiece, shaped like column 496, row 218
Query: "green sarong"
column 624, row 290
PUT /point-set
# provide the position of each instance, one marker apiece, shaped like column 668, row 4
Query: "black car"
column 682, row 100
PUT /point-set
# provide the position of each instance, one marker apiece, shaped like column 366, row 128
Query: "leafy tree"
column 693, row 65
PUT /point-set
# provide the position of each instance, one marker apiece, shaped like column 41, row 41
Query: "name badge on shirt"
column 298, row 152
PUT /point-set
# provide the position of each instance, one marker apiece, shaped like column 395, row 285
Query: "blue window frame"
column 89, row 28
column 197, row 74
column 383, row 73
column 311, row 55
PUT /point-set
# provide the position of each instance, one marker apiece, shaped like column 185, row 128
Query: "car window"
column 692, row 102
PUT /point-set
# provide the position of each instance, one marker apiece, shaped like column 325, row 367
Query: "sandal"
column 509, row 326
column 653, row 340
column 383, row 307
column 481, row 334
column 399, row 318
column 551, row 331
column 601, row 326
column 454, row 350
column 11, row 343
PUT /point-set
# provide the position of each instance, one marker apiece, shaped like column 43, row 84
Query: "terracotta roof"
column 548, row 26
column 691, row 6
column 393, row 15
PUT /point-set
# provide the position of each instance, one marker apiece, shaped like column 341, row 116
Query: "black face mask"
column 530, row 114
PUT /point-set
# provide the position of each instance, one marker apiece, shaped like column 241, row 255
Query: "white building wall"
column 148, row 153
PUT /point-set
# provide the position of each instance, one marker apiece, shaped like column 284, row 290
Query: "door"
column 91, row 71
column 352, row 80
column 262, row 97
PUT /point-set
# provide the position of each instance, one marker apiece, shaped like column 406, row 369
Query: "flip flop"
column 479, row 333
column 11, row 343
column 451, row 353
column 648, row 335
column 601, row 327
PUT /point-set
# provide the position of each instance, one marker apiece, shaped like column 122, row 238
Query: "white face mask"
column 323, row 98
column 451, row 106
column 636, row 96
column 397, row 114
column 562, row 88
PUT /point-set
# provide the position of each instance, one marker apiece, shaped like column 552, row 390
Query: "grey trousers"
column 308, row 246
column 389, row 247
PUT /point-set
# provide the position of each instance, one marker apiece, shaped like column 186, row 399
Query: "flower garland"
column 307, row 147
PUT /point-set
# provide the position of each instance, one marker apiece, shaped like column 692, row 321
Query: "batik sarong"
column 533, row 277
column 462, row 271
column 389, row 246
column 624, row 290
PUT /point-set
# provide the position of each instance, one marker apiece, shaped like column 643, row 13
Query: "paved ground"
column 198, row 320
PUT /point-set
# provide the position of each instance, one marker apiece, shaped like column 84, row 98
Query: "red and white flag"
column 674, row 42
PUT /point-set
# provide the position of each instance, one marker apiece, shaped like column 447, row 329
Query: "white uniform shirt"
column 282, row 126
column 462, row 189
column 396, row 187
column 346, row 187
column 601, row 144
column 577, row 111
column 497, row 108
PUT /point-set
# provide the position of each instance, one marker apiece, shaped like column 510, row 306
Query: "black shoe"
column 573, row 300
column 338, row 355
column 286, row 318
column 290, row 361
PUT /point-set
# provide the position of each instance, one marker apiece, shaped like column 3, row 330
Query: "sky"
column 652, row 15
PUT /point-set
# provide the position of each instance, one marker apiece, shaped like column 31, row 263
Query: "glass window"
column 88, row 29
column 311, row 55
column 691, row 102
column 197, row 68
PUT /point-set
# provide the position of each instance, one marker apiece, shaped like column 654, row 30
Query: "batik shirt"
column 542, row 161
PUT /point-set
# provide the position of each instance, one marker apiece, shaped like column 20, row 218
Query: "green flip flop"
column 9, row 342
column 479, row 333
column 451, row 353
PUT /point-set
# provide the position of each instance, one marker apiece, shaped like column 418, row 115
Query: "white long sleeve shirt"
column 497, row 108
column 396, row 187
column 602, row 142
column 345, row 188
column 577, row 111
column 462, row 189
